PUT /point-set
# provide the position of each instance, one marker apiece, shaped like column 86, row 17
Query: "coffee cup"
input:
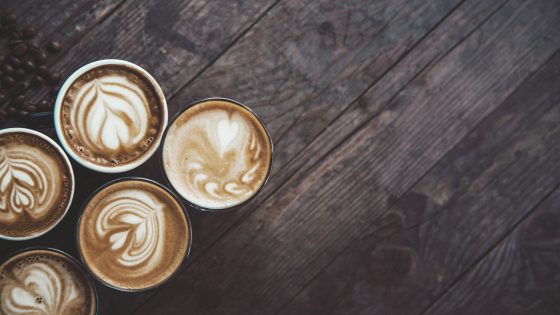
column 133, row 234
column 110, row 115
column 216, row 154
column 42, row 280
column 36, row 184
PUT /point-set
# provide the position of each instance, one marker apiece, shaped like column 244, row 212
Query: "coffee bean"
column 19, row 74
column 43, row 105
column 22, row 113
column 7, row 69
column 53, row 46
column 41, row 58
column 3, row 98
column 43, row 71
column 37, row 80
column 9, row 19
column 2, row 58
column 15, row 34
column 29, row 65
column 29, row 32
column 19, row 49
column 3, row 112
column 9, row 81
column 30, row 107
column 20, row 87
column 18, row 100
column 14, row 61
column 54, row 77
column 34, row 48
column 11, row 110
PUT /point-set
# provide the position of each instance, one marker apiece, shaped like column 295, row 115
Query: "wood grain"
column 434, row 233
column 319, row 211
column 519, row 276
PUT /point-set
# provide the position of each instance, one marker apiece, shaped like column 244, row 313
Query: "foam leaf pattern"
column 111, row 113
column 132, row 223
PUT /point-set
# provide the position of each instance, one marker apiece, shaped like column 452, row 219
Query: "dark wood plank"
column 318, row 212
column 520, row 276
column 435, row 232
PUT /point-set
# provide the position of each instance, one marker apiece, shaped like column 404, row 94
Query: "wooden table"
column 417, row 150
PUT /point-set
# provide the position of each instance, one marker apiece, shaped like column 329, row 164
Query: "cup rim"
column 102, row 168
column 12, row 254
column 173, row 275
column 72, row 177
column 172, row 121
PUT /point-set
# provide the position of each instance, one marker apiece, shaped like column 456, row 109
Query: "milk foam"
column 216, row 156
column 39, row 285
column 110, row 113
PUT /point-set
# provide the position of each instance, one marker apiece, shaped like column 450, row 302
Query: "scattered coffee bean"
column 9, row 81
column 53, row 46
column 19, row 74
column 18, row 100
column 22, row 113
column 29, row 65
column 34, row 48
column 43, row 105
column 3, row 98
column 30, row 107
column 14, row 61
column 2, row 58
column 54, row 77
column 3, row 112
column 9, row 19
column 7, row 69
column 19, row 49
column 29, row 32
column 40, row 57
column 11, row 110
column 43, row 71
column 37, row 80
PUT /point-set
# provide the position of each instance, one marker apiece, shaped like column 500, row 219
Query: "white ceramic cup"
column 117, row 168
column 71, row 173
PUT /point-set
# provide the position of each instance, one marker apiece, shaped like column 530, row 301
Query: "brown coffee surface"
column 111, row 115
column 45, row 282
column 35, row 185
column 133, row 235
column 217, row 154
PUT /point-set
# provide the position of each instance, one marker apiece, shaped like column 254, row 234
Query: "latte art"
column 133, row 234
column 133, row 223
column 44, row 282
column 216, row 154
column 111, row 114
column 35, row 184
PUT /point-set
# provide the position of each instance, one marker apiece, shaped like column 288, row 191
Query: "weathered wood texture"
column 434, row 234
column 379, row 202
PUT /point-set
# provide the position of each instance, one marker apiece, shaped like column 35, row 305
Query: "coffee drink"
column 217, row 154
column 133, row 234
column 36, row 184
column 41, row 281
column 110, row 115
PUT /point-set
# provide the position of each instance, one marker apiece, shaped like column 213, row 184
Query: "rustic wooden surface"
column 417, row 150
